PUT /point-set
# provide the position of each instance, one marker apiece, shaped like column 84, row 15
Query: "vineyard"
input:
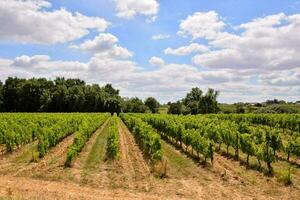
column 149, row 156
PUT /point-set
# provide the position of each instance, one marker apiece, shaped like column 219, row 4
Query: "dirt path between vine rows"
column 77, row 168
column 12, row 162
column 226, row 179
column 136, row 173
column 52, row 165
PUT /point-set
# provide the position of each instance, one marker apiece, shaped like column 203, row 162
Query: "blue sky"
column 246, row 49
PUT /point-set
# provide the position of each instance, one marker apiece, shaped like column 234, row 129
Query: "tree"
column 175, row 108
column 192, row 99
column 152, row 104
column 34, row 95
column 240, row 108
column 113, row 105
column 110, row 90
column 11, row 93
column 208, row 103
column 58, row 101
column 193, row 96
column 134, row 105
column 75, row 99
column 1, row 97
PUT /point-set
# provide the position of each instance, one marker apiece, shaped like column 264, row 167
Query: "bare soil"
column 94, row 177
column 78, row 170
column 136, row 173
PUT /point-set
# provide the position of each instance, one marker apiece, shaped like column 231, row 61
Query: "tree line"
column 67, row 95
column 74, row 95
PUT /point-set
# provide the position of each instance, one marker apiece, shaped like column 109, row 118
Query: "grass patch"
column 285, row 176
column 30, row 154
column 177, row 164
column 97, row 153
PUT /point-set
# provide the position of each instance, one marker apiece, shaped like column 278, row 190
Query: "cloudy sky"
column 249, row 50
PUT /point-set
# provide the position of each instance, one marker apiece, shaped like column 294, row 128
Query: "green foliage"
column 113, row 105
column 280, row 108
column 113, row 148
column 86, row 128
column 134, row 105
column 247, row 145
column 285, row 176
column 285, row 121
column 175, row 130
column 148, row 139
column 60, row 95
column 152, row 104
column 175, row 108
column 1, row 97
column 208, row 103
column 195, row 102
column 292, row 146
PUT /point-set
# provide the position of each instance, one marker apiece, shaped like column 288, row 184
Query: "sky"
column 246, row 49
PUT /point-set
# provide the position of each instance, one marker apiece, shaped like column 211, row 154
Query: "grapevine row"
column 113, row 148
column 147, row 138
column 85, row 130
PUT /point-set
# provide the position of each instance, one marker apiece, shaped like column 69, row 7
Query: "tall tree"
column 113, row 105
column 1, row 97
column 134, row 105
column 208, row 103
column 11, row 93
column 192, row 99
column 110, row 90
column 194, row 95
column 175, row 108
column 152, row 104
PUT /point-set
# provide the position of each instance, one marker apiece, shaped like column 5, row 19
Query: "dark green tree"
column 152, row 104
column 134, row 105
column 1, row 97
column 113, row 105
column 110, row 90
column 192, row 99
column 175, row 108
column 208, row 103
column 11, row 93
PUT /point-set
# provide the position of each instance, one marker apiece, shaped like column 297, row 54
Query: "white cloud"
column 156, row 61
column 284, row 78
column 160, row 37
column 26, row 61
column 128, row 9
column 186, row 50
column 29, row 22
column 104, row 45
column 265, row 43
column 201, row 25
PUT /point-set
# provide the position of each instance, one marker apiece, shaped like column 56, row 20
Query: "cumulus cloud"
column 29, row 22
column 160, row 37
column 186, row 50
column 27, row 61
column 128, row 9
column 264, row 43
column 104, row 45
column 201, row 25
column 156, row 61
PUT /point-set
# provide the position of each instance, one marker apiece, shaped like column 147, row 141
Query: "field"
column 149, row 156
